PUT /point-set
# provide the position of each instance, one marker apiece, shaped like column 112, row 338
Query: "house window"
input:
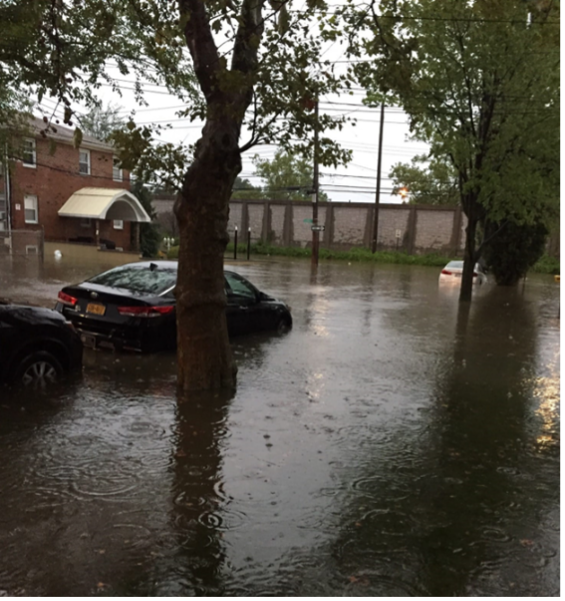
column 29, row 155
column 117, row 172
column 84, row 162
column 118, row 224
column 30, row 208
column 86, row 222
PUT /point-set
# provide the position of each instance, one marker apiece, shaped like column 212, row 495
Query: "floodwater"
column 392, row 444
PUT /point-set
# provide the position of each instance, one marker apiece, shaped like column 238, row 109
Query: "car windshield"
column 455, row 264
column 138, row 278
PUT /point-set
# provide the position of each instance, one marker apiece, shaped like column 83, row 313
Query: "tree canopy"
column 287, row 176
column 480, row 83
column 425, row 182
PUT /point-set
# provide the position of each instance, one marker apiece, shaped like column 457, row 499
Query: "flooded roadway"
column 390, row 444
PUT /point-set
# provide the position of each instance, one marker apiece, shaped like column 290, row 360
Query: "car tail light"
column 146, row 311
column 475, row 274
column 67, row 299
column 446, row 272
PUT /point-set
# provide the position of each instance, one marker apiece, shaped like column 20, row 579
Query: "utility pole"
column 315, row 231
column 378, row 192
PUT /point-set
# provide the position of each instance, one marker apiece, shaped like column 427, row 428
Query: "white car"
column 453, row 272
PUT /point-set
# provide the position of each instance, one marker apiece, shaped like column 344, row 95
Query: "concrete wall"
column 411, row 228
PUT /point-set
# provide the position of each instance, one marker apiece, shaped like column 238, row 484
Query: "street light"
column 403, row 193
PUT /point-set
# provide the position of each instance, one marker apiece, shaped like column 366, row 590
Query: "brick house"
column 71, row 194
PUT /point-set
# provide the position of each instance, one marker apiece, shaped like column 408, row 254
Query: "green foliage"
column 243, row 189
column 275, row 71
column 355, row 254
column 149, row 234
column 61, row 50
column 434, row 183
column 514, row 250
column 549, row 265
column 480, row 82
column 287, row 177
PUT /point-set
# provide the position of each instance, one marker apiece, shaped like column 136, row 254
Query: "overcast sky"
column 355, row 182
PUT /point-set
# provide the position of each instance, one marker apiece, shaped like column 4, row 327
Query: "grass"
column 356, row 254
column 546, row 264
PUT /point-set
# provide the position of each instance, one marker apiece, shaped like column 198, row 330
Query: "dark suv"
column 37, row 346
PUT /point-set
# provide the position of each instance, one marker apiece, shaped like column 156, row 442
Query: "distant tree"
column 287, row 177
column 433, row 182
column 102, row 122
column 244, row 189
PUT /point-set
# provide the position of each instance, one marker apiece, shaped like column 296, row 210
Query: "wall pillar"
column 244, row 220
column 287, row 237
column 412, row 219
column 266, row 224
column 328, row 233
column 368, row 233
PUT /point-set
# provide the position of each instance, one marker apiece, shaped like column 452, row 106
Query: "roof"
column 104, row 203
column 66, row 135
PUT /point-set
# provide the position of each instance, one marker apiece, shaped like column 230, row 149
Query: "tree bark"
column 466, row 291
column 204, row 354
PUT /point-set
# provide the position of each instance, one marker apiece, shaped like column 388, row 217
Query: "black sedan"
column 37, row 346
column 132, row 307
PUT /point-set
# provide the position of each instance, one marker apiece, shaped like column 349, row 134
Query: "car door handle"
column 245, row 307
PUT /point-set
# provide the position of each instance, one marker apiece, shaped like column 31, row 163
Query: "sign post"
column 315, row 232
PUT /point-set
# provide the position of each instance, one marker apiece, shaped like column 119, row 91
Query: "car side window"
column 235, row 284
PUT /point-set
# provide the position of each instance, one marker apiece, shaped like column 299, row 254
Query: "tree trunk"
column 204, row 354
column 466, row 291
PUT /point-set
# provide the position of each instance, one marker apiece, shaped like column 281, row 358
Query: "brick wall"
column 431, row 227
column 53, row 180
column 411, row 228
column 349, row 226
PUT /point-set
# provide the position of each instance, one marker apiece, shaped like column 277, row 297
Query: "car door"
column 13, row 335
column 243, row 310
column 6, row 342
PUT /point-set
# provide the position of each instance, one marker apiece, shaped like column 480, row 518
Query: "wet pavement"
column 391, row 444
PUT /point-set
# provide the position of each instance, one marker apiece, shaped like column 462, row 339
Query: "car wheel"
column 38, row 370
column 283, row 325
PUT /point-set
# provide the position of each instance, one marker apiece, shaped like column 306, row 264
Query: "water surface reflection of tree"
column 454, row 507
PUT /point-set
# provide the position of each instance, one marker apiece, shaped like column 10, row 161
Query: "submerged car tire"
column 283, row 325
column 38, row 370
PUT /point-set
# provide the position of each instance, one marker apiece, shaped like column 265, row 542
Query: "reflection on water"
column 394, row 443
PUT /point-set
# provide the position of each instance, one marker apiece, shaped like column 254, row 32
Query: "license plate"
column 96, row 308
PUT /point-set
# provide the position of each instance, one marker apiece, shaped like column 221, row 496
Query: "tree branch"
column 201, row 46
column 249, row 32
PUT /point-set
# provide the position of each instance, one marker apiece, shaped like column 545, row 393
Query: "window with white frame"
column 29, row 154
column 117, row 172
column 84, row 161
column 85, row 222
column 118, row 224
column 30, row 208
